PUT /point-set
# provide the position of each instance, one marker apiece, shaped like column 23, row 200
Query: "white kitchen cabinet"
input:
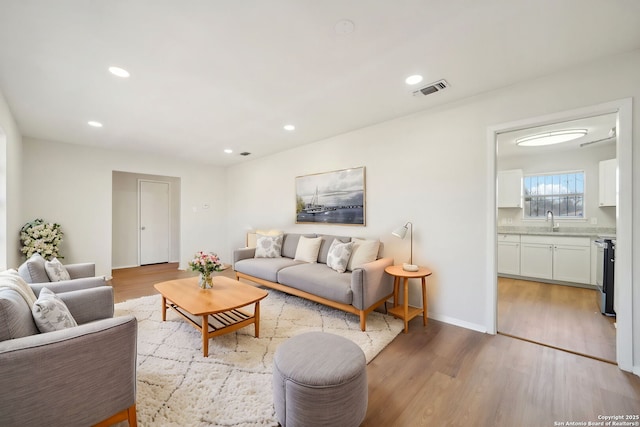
column 594, row 262
column 607, row 182
column 536, row 259
column 510, row 188
column 509, row 254
column 572, row 263
column 566, row 259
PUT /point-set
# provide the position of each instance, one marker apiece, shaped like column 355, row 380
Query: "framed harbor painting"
column 336, row 197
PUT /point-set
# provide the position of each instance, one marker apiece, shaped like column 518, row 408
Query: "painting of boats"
column 336, row 197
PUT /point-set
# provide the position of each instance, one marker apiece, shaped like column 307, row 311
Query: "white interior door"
column 154, row 222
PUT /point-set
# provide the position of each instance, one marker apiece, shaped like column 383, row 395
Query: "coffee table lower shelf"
column 219, row 323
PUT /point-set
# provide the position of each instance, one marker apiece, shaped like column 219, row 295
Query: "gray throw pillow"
column 56, row 271
column 51, row 313
column 339, row 254
column 268, row 246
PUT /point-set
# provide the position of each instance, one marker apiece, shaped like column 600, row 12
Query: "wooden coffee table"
column 214, row 311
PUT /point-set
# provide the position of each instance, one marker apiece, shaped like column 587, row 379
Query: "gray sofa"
column 358, row 291
column 82, row 276
column 78, row 376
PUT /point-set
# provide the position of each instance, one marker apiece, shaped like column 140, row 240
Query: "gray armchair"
column 79, row 376
column 82, row 276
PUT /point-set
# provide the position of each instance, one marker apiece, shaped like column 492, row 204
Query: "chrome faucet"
column 554, row 227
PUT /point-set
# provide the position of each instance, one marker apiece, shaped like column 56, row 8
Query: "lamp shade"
column 400, row 231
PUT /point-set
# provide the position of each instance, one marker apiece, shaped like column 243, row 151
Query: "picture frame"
column 336, row 197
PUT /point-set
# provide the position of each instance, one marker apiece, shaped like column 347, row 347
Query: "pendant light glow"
column 550, row 138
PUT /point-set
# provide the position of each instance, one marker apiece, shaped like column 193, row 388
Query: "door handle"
column 143, row 228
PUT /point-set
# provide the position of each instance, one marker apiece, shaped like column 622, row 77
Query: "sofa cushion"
column 268, row 246
column 16, row 320
column 307, row 250
column 51, row 313
column 56, row 271
column 33, row 270
column 327, row 240
column 290, row 244
column 364, row 251
column 263, row 268
column 339, row 255
column 318, row 279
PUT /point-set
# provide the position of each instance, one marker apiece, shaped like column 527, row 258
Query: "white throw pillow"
column 268, row 246
column 308, row 248
column 56, row 271
column 51, row 313
column 364, row 251
column 339, row 255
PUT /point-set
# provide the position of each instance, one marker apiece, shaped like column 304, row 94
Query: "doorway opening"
column 126, row 215
column 622, row 213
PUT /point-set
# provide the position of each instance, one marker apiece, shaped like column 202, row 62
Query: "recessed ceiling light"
column 413, row 80
column 344, row 26
column 94, row 124
column 228, row 151
column 289, row 127
column 120, row 72
column 550, row 138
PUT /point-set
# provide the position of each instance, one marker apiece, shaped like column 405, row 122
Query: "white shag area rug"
column 177, row 386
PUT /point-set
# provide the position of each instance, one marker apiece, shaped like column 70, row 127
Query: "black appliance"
column 605, row 269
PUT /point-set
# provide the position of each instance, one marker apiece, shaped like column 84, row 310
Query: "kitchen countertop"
column 602, row 232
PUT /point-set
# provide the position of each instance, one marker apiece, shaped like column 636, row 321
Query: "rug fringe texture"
column 177, row 386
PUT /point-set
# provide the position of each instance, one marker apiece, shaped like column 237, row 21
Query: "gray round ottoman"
column 319, row 379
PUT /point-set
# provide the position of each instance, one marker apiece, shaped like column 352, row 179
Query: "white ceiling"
column 210, row 74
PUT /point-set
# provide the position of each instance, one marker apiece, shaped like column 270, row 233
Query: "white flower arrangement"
column 41, row 237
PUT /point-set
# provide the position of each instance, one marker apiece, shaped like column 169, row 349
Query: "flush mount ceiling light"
column 413, row 80
column 94, row 124
column 228, row 150
column 120, row 72
column 550, row 138
column 289, row 127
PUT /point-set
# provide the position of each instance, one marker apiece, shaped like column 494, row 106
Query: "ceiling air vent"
column 432, row 88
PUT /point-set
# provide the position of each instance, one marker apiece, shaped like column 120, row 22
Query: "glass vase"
column 206, row 281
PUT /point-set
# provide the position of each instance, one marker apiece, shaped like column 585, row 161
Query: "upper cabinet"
column 510, row 188
column 607, row 183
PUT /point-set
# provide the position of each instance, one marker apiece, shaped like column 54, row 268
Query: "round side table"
column 404, row 311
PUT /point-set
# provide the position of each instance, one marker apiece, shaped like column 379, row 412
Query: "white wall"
column 432, row 168
column 586, row 159
column 124, row 251
column 10, row 218
column 72, row 185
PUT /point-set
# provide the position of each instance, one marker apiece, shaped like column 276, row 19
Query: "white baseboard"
column 124, row 266
column 458, row 322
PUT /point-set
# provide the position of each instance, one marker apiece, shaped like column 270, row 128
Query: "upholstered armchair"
column 81, row 276
column 78, row 376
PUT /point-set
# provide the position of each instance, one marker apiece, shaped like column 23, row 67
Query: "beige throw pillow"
column 364, row 251
column 308, row 248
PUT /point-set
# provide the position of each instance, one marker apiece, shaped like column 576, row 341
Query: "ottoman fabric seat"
column 319, row 379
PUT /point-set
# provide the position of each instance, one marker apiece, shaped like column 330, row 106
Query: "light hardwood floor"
column 560, row 316
column 443, row 375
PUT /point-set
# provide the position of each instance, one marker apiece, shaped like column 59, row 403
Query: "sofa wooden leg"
column 363, row 320
column 128, row 414
column 132, row 417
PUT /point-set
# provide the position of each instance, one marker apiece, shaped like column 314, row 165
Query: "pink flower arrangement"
column 205, row 263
